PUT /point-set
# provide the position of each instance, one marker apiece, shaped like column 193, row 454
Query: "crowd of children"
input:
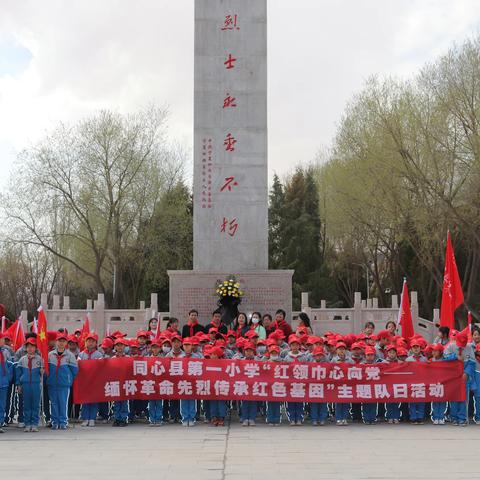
column 28, row 396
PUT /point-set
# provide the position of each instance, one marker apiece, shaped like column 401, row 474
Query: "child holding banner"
column 218, row 408
column 392, row 409
column 89, row 411
column 120, row 407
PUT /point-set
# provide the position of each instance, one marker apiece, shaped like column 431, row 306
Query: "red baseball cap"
column 293, row 339
column 370, row 351
column 107, row 343
column 318, row 351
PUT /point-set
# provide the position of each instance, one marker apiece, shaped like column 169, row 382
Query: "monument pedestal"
column 265, row 291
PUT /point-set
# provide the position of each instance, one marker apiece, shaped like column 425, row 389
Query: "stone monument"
column 230, row 188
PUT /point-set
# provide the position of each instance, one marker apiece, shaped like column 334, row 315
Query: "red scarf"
column 30, row 360
column 59, row 360
column 192, row 326
column 89, row 353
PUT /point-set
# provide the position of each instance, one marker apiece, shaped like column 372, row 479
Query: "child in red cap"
column 120, row 407
column 318, row 410
column 342, row 410
column 29, row 375
column 218, row 409
column 370, row 410
column 438, row 408
column 155, row 407
column 392, row 409
column 89, row 411
column 273, row 408
column 294, row 355
column 416, row 410
column 249, row 408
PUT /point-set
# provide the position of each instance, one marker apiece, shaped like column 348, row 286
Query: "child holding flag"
column 89, row 411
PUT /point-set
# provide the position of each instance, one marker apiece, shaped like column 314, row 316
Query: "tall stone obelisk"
column 230, row 160
column 230, row 187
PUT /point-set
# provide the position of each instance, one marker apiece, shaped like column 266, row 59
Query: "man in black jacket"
column 192, row 327
column 217, row 323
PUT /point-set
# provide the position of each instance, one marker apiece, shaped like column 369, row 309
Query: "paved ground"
column 235, row 452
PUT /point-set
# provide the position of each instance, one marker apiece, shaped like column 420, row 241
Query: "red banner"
column 150, row 378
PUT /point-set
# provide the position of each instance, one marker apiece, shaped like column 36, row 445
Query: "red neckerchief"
column 2, row 361
column 59, row 360
column 30, row 360
column 417, row 359
column 90, row 353
column 192, row 326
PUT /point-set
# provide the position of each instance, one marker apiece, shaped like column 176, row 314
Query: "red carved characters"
column 229, row 102
column 230, row 22
column 229, row 183
column 230, row 62
column 229, row 143
column 229, row 227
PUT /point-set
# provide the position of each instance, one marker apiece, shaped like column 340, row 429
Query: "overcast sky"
column 62, row 60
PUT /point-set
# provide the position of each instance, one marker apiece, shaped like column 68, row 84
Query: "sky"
column 61, row 61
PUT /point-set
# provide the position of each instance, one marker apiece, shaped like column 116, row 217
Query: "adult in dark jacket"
column 192, row 327
column 217, row 323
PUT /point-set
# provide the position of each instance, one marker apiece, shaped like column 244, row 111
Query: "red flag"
column 158, row 331
column 16, row 333
column 452, row 293
column 19, row 339
column 405, row 314
column 85, row 332
column 469, row 326
column 42, row 337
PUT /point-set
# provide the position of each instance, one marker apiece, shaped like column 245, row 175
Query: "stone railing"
column 341, row 320
column 352, row 320
column 101, row 319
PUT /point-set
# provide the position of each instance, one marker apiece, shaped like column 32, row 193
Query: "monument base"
column 265, row 291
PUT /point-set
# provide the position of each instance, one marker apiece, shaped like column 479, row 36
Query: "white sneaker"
column 441, row 422
column 245, row 423
column 20, row 425
column 435, row 422
column 33, row 429
column 85, row 423
column 339, row 422
column 252, row 423
column 91, row 423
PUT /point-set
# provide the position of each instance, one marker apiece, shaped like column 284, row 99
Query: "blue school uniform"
column 63, row 369
column 6, row 376
column 29, row 370
column 458, row 410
